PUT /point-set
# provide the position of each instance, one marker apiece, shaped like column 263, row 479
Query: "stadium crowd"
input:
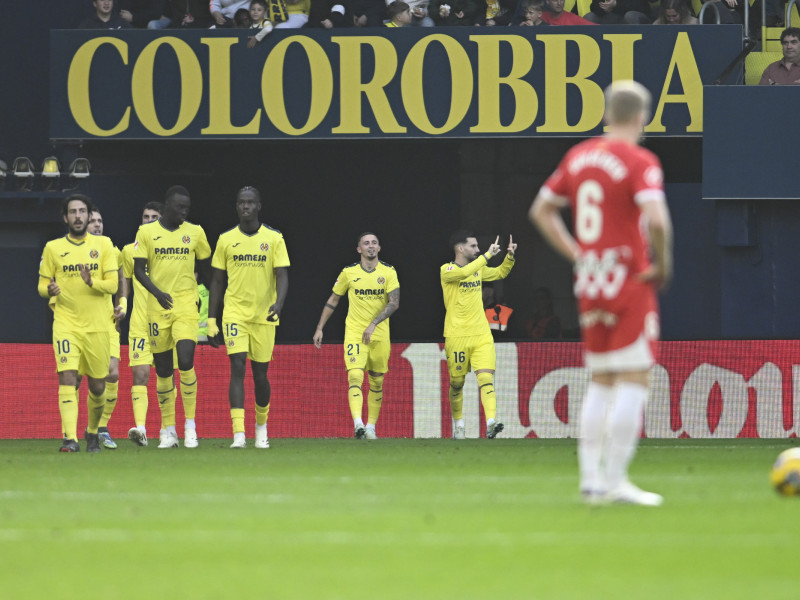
column 263, row 15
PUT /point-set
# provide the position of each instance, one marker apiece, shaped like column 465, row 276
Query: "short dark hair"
column 82, row 197
column 793, row 31
column 249, row 188
column 395, row 8
column 176, row 190
column 460, row 237
column 261, row 2
column 361, row 237
column 533, row 4
column 156, row 206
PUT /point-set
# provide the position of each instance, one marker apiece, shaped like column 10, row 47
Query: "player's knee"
column 97, row 386
column 141, row 374
column 456, row 383
column 355, row 377
column 238, row 365
column 375, row 382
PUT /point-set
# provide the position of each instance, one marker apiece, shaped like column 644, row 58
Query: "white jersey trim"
column 550, row 196
column 650, row 195
column 635, row 357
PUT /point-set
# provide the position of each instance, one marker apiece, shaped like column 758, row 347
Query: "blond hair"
column 626, row 101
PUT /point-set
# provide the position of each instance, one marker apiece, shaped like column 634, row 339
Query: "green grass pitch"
column 394, row 519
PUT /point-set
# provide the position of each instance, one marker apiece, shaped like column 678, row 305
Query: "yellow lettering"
column 684, row 63
column 412, row 88
column 80, row 104
column 556, row 81
column 191, row 76
column 219, row 91
column 489, row 82
column 351, row 87
column 621, row 56
column 321, row 85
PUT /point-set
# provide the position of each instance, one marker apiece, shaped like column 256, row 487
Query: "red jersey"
column 604, row 180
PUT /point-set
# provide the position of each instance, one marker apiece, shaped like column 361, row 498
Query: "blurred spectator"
column 330, row 13
column 786, row 71
column 558, row 16
column 103, row 17
column 223, row 11
column 732, row 11
column 615, row 12
column 531, row 14
column 675, row 12
column 241, row 19
column 368, row 13
column 496, row 12
column 544, row 324
column 183, row 13
column 139, row 13
column 419, row 13
column 497, row 313
column 454, row 12
column 399, row 14
column 298, row 14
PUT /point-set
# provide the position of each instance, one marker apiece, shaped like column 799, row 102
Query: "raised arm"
column 388, row 310
column 327, row 311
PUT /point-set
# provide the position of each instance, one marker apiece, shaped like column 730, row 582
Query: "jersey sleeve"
column 281, row 255
column 127, row 262
column 555, row 190
column 647, row 181
column 47, row 268
column 342, row 284
column 141, row 248
column 110, row 257
column 452, row 272
column 392, row 282
column 203, row 249
column 118, row 254
column 501, row 272
column 218, row 261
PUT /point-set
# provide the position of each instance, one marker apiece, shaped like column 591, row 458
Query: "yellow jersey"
column 171, row 255
column 138, row 309
column 463, row 294
column 250, row 261
column 79, row 307
column 367, row 294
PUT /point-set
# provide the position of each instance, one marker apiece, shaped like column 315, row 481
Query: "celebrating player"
column 610, row 182
column 118, row 310
column 166, row 254
column 468, row 342
column 254, row 259
column 139, row 356
column 373, row 293
column 80, row 270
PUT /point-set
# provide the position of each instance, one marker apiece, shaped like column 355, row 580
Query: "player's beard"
column 78, row 232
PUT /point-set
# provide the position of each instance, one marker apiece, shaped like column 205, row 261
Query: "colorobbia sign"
column 710, row 389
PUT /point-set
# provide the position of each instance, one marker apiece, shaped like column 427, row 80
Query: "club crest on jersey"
column 186, row 239
column 94, row 254
column 381, row 280
column 264, row 247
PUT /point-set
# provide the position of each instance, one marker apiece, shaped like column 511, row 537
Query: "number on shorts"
column 63, row 346
column 351, row 347
column 589, row 217
column 459, row 357
column 231, row 330
column 138, row 344
column 153, row 329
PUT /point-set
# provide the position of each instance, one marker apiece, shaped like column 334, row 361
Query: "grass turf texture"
column 404, row 519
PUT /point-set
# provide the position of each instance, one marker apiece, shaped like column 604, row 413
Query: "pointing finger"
column 510, row 239
column 497, row 241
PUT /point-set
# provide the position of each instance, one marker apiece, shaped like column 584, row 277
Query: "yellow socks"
column 189, row 392
column 355, row 377
column 237, row 418
column 374, row 398
column 95, row 405
column 262, row 412
column 110, row 401
column 140, row 401
column 165, row 388
column 486, row 386
column 457, row 397
column 68, row 406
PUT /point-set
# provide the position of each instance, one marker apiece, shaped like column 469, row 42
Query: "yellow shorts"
column 471, row 352
column 139, row 349
column 257, row 339
column 113, row 346
column 374, row 357
column 86, row 352
column 166, row 329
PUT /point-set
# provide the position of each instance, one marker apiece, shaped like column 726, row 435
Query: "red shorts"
column 621, row 334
